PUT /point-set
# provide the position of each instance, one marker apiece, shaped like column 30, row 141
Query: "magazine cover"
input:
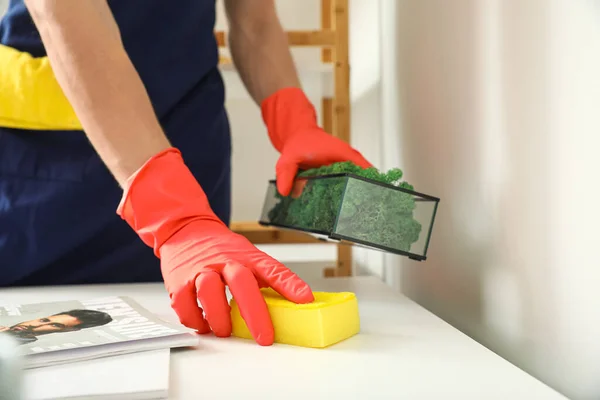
column 66, row 325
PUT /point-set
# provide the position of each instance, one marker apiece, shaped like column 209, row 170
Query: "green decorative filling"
column 369, row 212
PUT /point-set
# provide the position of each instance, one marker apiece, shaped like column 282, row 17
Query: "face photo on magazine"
column 55, row 332
column 66, row 321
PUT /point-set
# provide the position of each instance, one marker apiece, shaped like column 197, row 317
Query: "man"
column 68, row 321
column 143, row 82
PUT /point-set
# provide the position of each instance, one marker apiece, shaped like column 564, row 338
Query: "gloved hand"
column 199, row 254
column 291, row 122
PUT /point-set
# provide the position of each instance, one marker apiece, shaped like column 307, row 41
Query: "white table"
column 402, row 352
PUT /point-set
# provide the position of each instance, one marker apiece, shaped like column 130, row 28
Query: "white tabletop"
column 402, row 352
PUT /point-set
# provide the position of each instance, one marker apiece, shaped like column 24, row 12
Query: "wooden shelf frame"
column 333, row 39
column 322, row 38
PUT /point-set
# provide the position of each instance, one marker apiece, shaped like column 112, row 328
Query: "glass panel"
column 312, row 206
column 356, row 210
column 384, row 216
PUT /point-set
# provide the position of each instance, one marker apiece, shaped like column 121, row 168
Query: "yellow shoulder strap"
column 30, row 97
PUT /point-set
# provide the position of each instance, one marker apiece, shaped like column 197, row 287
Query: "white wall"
column 496, row 106
column 3, row 5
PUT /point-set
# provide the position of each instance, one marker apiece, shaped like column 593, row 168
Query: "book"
column 11, row 368
column 58, row 332
column 138, row 376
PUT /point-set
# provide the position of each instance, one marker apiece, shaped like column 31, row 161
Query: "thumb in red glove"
column 199, row 255
column 292, row 126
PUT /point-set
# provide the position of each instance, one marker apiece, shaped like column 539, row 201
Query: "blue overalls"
column 58, row 221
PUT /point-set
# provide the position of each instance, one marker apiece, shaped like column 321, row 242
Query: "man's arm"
column 262, row 56
column 89, row 61
column 259, row 47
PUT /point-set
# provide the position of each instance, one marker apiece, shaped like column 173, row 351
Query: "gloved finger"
column 355, row 157
column 210, row 290
column 281, row 279
column 253, row 309
column 185, row 304
column 261, row 282
column 298, row 187
column 286, row 170
column 359, row 160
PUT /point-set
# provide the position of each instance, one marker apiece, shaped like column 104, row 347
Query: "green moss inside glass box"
column 344, row 202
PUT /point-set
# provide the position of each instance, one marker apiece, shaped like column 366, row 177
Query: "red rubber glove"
column 199, row 254
column 291, row 122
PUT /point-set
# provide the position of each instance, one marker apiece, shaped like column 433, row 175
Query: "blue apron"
column 58, row 221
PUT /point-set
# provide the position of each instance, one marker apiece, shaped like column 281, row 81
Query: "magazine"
column 138, row 376
column 63, row 331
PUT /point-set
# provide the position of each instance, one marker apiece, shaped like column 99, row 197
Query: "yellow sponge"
column 329, row 319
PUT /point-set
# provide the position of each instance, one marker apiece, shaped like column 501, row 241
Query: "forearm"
column 91, row 66
column 259, row 48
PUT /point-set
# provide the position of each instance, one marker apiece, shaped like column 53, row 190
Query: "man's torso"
column 56, row 196
column 171, row 43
